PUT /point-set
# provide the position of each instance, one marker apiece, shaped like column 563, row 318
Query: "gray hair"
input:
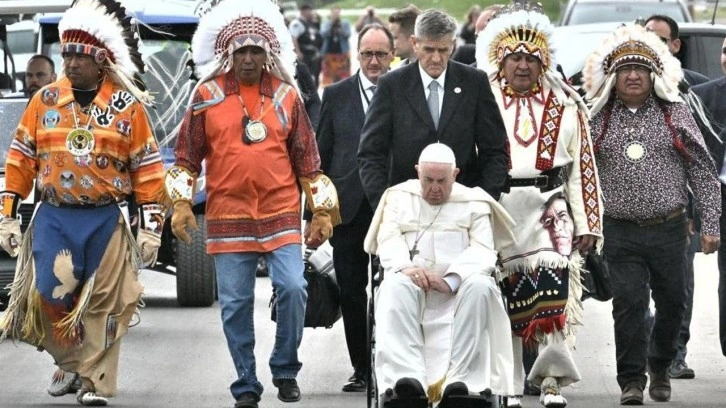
column 433, row 24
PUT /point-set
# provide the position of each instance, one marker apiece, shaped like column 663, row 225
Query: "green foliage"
column 457, row 8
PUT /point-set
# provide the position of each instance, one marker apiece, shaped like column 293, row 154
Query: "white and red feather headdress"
column 227, row 25
column 104, row 30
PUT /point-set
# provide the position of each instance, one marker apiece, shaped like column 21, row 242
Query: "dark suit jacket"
column 307, row 86
column 338, row 136
column 398, row 126
column 465, row 53
column 713, row 95
column 694, row 78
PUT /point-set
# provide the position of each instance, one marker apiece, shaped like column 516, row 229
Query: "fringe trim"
column 13, row 322
column 528, row 264
column 134, row 249
column 537, row 330
column 32, row 326
column 70, row 329
column 573, row 309
column 435, row 390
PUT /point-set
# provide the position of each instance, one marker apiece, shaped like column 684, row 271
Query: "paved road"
column 177, row 357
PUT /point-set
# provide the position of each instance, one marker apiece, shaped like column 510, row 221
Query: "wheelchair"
column 384, row 398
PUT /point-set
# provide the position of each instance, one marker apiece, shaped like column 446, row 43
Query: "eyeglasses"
column 627, row 69
column 366, row 55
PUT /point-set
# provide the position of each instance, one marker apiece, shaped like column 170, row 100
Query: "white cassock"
column 433, row 337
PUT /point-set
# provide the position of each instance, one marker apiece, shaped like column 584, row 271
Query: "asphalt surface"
column 177, row 357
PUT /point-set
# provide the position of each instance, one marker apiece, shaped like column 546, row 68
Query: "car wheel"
column 196, row 283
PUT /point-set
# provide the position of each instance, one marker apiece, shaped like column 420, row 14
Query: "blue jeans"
column 236, row 287
column 639, row 258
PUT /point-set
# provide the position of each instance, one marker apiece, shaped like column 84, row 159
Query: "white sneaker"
column 64, row 382
column 553, row 401
column 90, row 399
column 514, row 402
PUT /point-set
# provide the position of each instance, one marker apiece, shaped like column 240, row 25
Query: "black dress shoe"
column 287, row 389
column 451, row 390
column 356, row 383
column 632, row 394
column 247, row 400
column 408, row 388
column 660, row 387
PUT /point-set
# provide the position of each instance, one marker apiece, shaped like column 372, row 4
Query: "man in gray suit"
column 434, row 100
column 342, row 115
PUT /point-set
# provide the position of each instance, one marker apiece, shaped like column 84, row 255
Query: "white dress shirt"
column 426, row 79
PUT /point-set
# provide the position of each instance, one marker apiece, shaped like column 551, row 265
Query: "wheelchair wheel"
column 372, row 387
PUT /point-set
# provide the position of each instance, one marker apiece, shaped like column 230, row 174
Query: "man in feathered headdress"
column 649, row 151
column 86, row 144
column 552, row 193
column 248, row 123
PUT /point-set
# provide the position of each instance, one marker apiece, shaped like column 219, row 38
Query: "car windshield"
column 21, row 41
column 11, row 110
column 584, row 13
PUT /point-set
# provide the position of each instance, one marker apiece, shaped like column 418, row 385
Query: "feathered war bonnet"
column 520, row 27
column 228, row 25
column 628, row 45
column 103, row 30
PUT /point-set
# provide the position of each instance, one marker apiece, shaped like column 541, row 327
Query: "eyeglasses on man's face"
column 366, row 55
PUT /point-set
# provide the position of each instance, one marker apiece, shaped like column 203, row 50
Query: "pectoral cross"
column 413, row 252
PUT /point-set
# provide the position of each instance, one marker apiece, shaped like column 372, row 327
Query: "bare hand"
column 709, row 244
column 418, row 276
column 584, row 243
column 438, row 283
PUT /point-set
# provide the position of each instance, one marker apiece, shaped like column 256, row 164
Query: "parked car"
column 602, row 11
column 165, row 33
column 701, row 46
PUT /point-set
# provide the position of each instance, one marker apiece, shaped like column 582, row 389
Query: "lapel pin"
column 457, row 90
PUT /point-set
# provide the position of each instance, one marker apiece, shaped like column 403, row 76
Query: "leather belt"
column 88, row 206
column 649, row 222
column 545, row 181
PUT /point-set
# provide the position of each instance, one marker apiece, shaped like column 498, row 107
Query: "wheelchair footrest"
column 422, row 402
column 470, row 401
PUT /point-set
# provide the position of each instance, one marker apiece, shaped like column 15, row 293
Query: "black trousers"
column 640, row 258
column 351, row 271
column 722, row 276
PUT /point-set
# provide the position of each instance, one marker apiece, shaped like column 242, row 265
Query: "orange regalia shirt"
column 123, row 158
column 253, row 199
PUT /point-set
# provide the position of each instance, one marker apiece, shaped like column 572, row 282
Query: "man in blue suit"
column 342, row 115
column 434, row 100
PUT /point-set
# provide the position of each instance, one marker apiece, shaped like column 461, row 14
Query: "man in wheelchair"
column 440, row 319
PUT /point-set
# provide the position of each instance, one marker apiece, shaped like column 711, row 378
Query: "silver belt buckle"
column 541, row 181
